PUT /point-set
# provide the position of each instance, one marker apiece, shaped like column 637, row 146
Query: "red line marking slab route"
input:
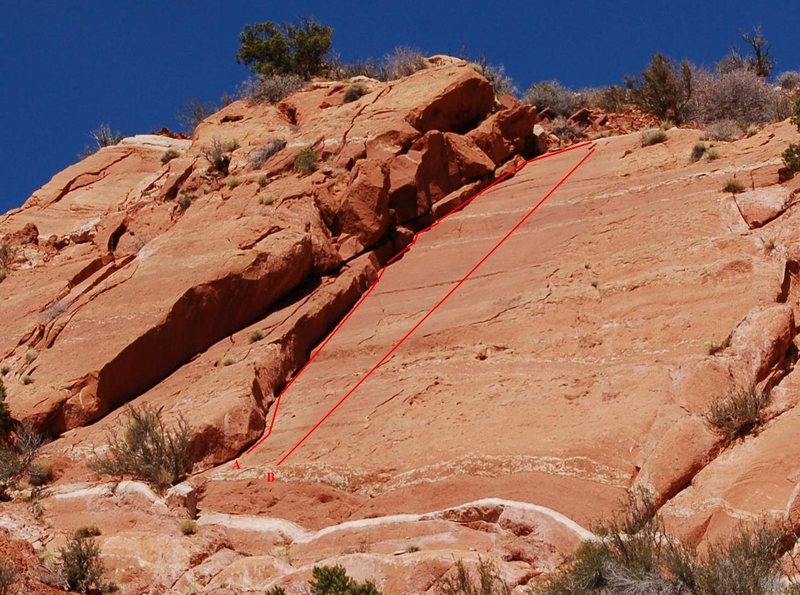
column 429, row 313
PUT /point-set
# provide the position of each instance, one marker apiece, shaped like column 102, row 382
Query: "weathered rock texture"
column 572, row 366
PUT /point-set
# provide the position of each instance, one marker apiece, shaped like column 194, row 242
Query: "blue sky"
column 67, row 66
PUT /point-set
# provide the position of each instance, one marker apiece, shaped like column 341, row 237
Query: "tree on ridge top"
column 269, row 49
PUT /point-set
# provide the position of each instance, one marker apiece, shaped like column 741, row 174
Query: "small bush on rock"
column 40, row 473
column 612, row 99
column 218, row 155
column 738, row 412
column 189, row 527
column 791, row 157
column 306, row 161
column 85, row 531
column 733, row 186
column 789, row 80
column 103, row 136
column 403, row 61
column 270, row 89
column 334, row 580
column 635, row 555
column 553, row 95
column 653, row 136
column 260, row 156
column 16, row 459
column 148, row 450
column 698, row 152
column 502, row 83
column 185, row 201
column 488, row 581
column 796, row 114
column 82, row 570
column 354, row 92
column 194, row 112
column 566, row 130
column 169, row 155
column 5, row 414
column 8, row 577
column 6, row 258
column 255, row 336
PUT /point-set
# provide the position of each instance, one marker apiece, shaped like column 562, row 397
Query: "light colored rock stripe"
column 299, row 535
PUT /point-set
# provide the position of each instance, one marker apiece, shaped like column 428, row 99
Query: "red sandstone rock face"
column 571, row 367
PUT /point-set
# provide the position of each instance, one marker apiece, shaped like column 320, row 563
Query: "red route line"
column 432, row 310
column 316, row 352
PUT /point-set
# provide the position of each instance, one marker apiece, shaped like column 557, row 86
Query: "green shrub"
column 791, row 157
column 611, row 99
column 276, row 591
column 82, row 568
column 4, row 369
column 354, row 92
column 85, row 531
column 306, row 161
column 40, row 473
column 333, row 580
column 169, row 155
column 259, row 156
column 698, row 152
column 555, row 96
column 189, row 527
column 266, row 199
column 653, row 136
column 233, row 182
column 8, row 577
column 268, row 48
column 227, row 361
column 30, row 355
column 255, row 335
column 738, row 412
column 26, row 380
column 662, row 89
column 733, row 185
column 148, row 450
column 488, row 582
column 712, row 154
column 263, row 181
